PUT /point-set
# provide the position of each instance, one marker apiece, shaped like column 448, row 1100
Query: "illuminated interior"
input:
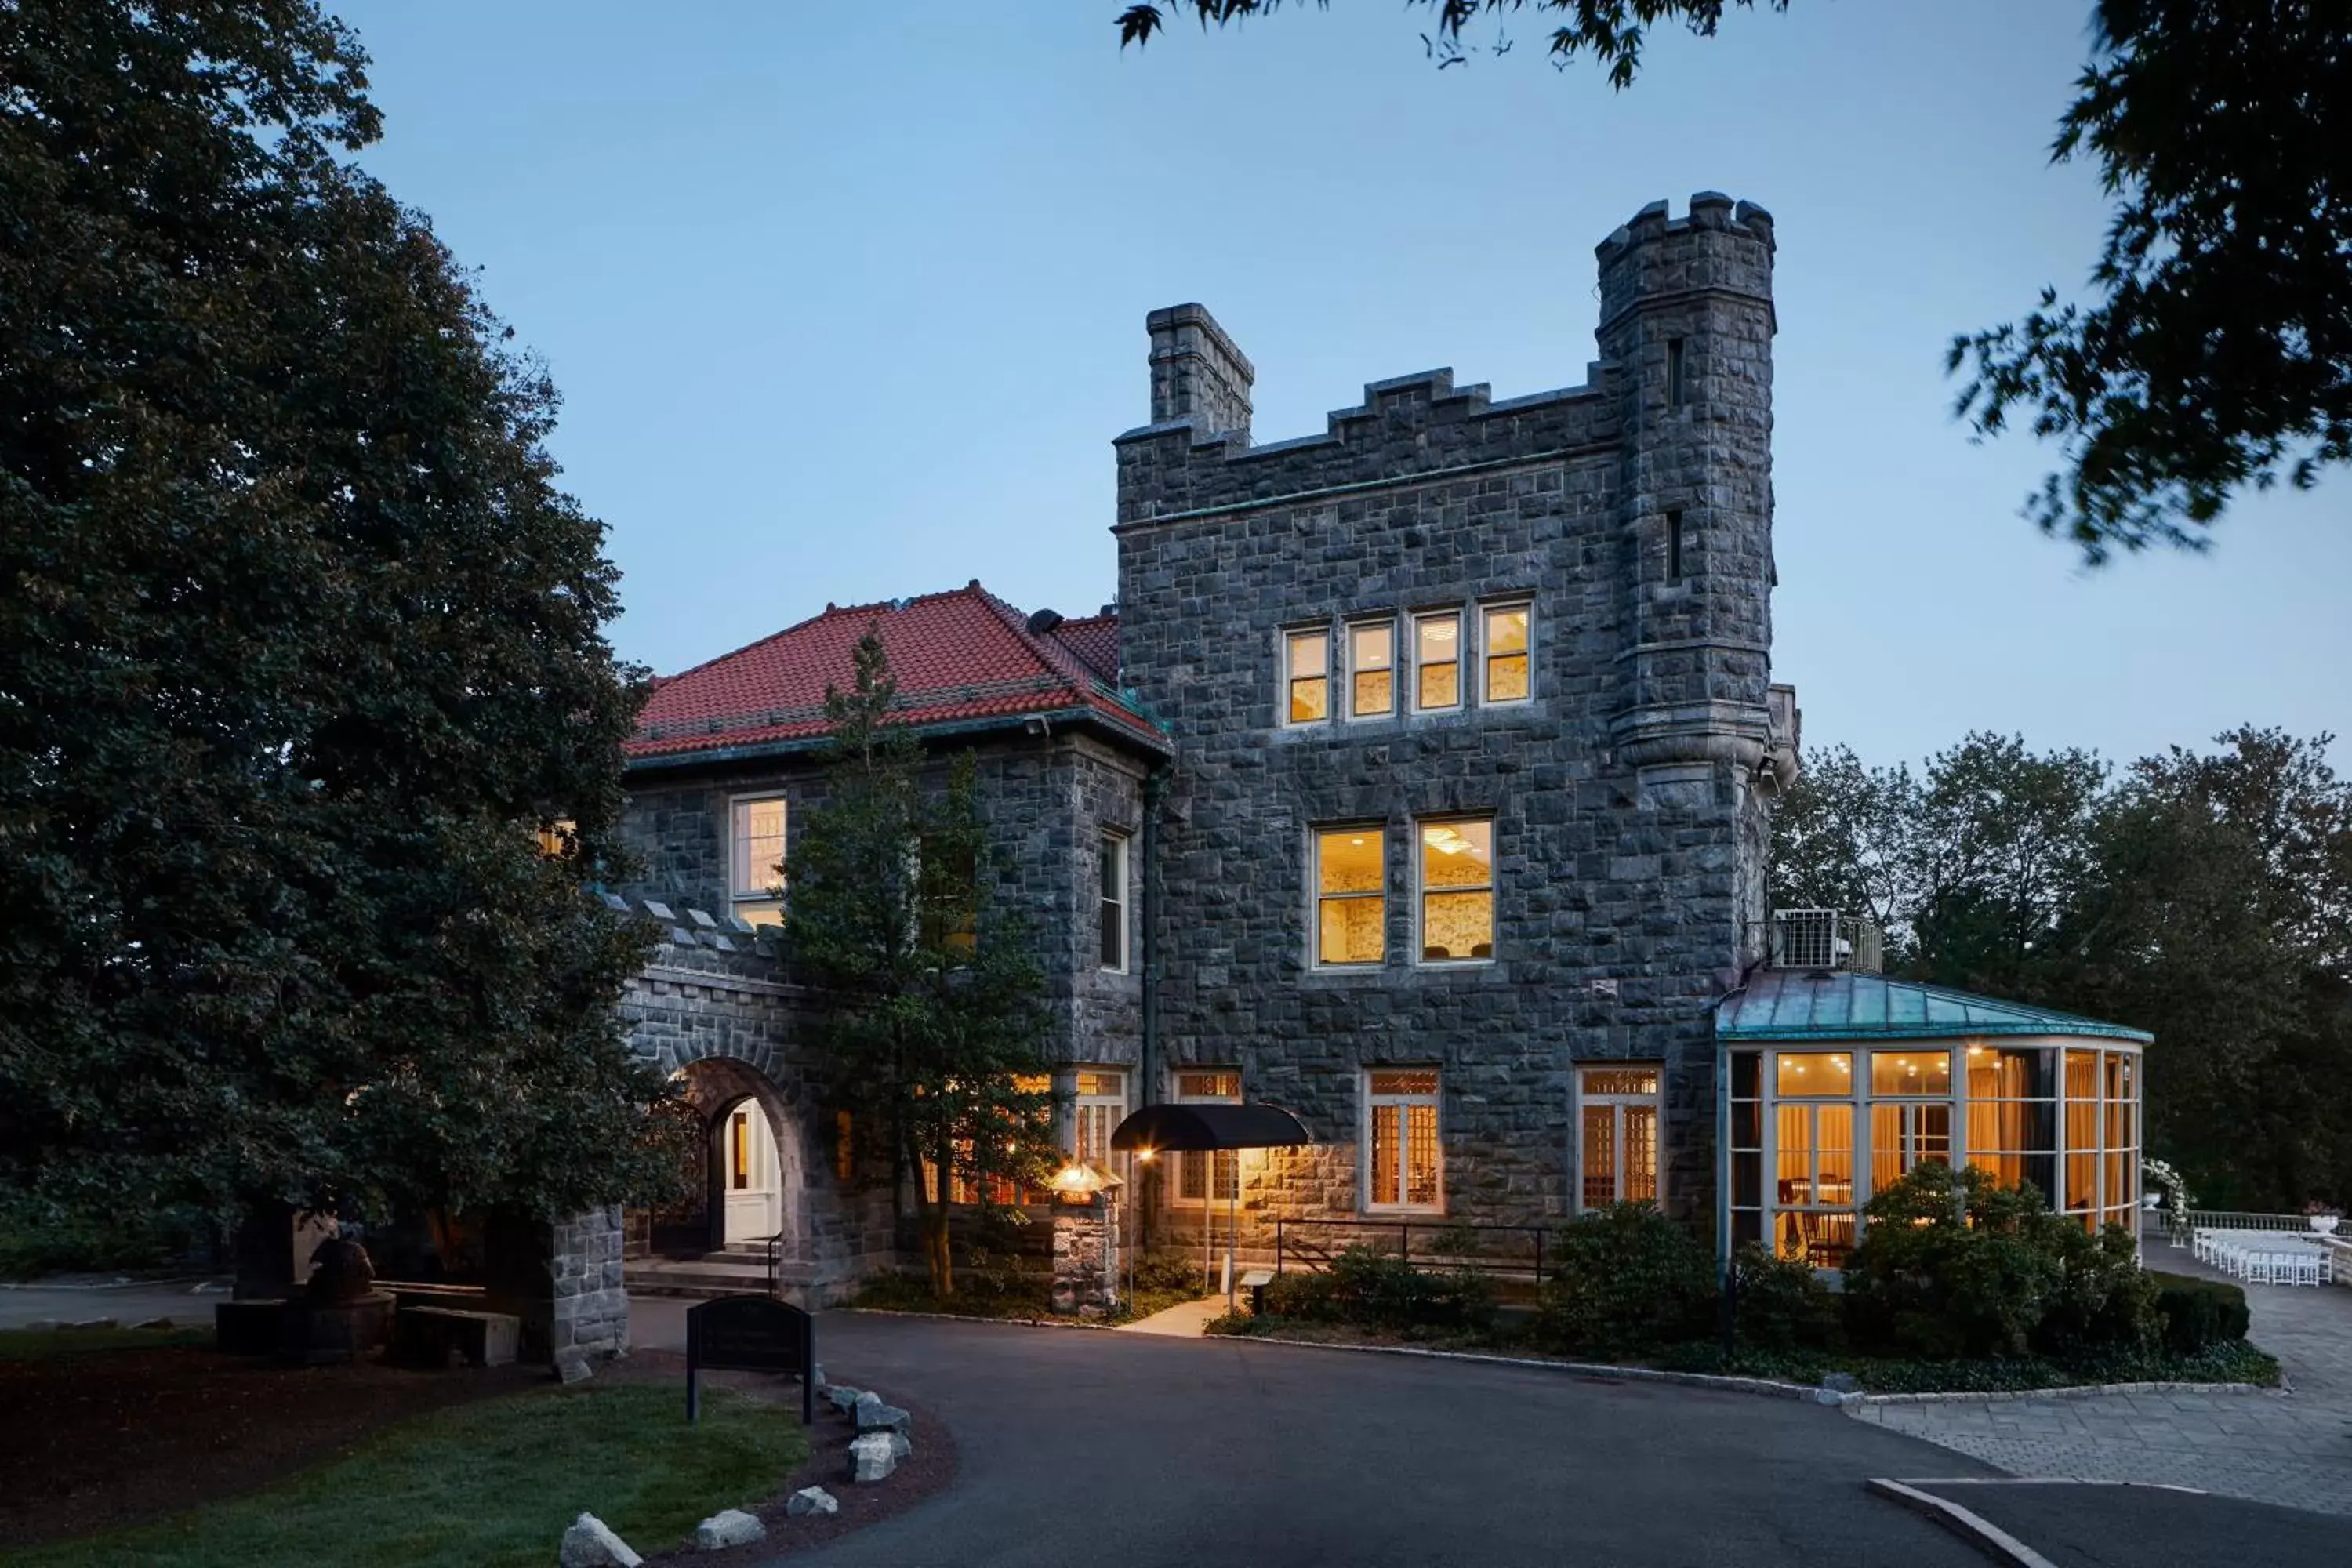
column 1815, row 1130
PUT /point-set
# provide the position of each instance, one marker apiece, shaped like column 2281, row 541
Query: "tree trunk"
column 936, row 1240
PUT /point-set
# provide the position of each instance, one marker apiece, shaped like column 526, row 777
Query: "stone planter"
column 2325, row 1224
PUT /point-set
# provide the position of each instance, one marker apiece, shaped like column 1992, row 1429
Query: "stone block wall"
column 1629, row 796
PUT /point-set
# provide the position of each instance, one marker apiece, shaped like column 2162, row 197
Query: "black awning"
column 1210, row 1126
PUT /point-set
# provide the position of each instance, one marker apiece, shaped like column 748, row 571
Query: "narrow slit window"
column 1114, row 903
column 1437, row 660
column 1677, row 388
column 1372, row 669
column 1350, row 906
column 1673, row 547
column 756, row 829
column 1505, row 652
column 1307, row 658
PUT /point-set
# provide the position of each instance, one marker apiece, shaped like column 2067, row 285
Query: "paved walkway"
column 1184, row 1319
column 2294, row 1448
column 88, row 1298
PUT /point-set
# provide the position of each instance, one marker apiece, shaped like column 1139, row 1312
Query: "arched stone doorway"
column 751, row 1179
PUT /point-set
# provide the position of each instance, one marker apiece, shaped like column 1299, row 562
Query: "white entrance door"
column 750, row 1177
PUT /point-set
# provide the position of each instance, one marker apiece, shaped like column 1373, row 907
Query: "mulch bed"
column 929, row 1469
column 93, row 1439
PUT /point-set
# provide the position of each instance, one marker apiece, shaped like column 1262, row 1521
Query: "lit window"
column 1203, row 1177
column 1437, row 660
column 1457, row 891
column 1401, row 1159
column 1814, row 1192
column 1307, row 673
column 1372, row 669
column 739, row 1150
column 1617, row 1125
column 1815, row 1072
column 1350, row 907
column 1909, row 1072
column 756, row 880
column 1111, row 886
column 1506, row 654
column 1099, row 1107
column 558, row 839
column 947, row 879
column 2012, row 1116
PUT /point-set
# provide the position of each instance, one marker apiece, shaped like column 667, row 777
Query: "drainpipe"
column 1155, row 792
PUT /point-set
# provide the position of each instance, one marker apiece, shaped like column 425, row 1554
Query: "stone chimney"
column 1197, row 374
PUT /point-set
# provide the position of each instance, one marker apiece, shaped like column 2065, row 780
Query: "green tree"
column 300, row 648
column 930, row 998
column 2205, row 897
column 2219, row 916
column 2219, row 355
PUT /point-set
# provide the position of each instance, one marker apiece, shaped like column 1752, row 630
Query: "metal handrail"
column 775, row 1247
column 1285, row 1246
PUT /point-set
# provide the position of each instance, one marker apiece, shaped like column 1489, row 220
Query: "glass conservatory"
column 1837, row 1081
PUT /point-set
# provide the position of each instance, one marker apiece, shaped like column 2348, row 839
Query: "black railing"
column 1518, row 1251
column 774, row 1245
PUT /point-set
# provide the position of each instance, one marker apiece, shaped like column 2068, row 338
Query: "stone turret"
column 1686, row 319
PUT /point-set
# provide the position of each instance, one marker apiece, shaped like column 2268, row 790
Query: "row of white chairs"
column 2265, row 1258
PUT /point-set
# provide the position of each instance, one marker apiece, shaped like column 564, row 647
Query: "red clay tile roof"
column 1095, row 639
column 959, row 656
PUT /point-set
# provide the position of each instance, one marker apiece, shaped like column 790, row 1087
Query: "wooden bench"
column 425, row 1336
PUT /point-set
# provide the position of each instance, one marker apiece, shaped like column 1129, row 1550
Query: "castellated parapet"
column 1629, row 793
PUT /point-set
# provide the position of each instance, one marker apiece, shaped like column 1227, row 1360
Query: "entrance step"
column 715, row 1274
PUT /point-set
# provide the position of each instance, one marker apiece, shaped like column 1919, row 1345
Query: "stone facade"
column 1629, row 796
column 1629, row 793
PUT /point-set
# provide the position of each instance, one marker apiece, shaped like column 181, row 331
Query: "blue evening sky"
column 847, row 303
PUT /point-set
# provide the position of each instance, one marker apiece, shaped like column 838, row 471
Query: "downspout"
column 1155, row 793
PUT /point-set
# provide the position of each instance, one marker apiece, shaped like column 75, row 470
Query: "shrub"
column 1955, row 1265
column 1781, row 1303
column 1157, row 1272
column 1951, row 1264
column 1373, row 1289
column 2106, row 1302
column 2198, row 1314
column 1630, row 1281
column 1311, row 1298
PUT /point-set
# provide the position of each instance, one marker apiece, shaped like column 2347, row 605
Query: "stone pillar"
column 590, row 1303
column 1082, row 1254
column 563, row 1281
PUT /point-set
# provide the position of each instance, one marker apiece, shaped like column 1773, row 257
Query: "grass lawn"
column 484, row 1486
column 30, row 1344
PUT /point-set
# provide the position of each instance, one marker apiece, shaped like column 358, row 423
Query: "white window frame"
column 1330, row 663
column 1316, row 895
column 1434, row 1098
column 763, row 898
column 1420, row 891
column 1108, row 1109
column 1654, row 1102
column 1177, row 1162
column 1486, row 699
column 1387, row 626
column 1461, row 650
column 1118, row 846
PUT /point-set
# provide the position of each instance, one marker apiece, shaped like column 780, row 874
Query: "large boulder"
column 728, row 1526
column 873, row 1415
column 844, row 1398
column 591, row 1543
column 813, row 1500
column 872, row 1457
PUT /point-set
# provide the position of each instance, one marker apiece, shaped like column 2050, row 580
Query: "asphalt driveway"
column 1092, row 1448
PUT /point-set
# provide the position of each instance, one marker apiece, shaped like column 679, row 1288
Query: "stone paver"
column 2294, row 1448
column 1184, row 1319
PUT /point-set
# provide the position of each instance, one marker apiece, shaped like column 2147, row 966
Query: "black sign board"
column 749, row 1334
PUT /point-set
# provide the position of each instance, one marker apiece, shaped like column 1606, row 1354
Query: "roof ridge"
column 1056, row 657
column 831, row 612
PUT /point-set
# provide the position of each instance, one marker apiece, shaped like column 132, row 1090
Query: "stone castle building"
column 1418, row 780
